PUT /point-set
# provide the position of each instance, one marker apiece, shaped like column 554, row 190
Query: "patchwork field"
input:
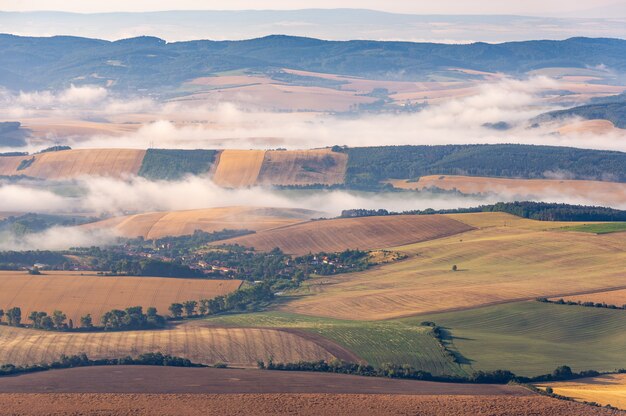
column 507, row 259
column 303, row 167
column 238, row 168
column 599, row 192
column 376, row 343
column 606, row 389
column 174, row 223
column 77, row 295
column 533, row 338
column 364, row 233
column 74, row 163
column 235, row 346
column 610, row 297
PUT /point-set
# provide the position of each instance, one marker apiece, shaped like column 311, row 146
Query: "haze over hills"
column 332, row 24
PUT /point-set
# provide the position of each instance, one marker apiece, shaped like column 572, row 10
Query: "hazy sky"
column 527, row 7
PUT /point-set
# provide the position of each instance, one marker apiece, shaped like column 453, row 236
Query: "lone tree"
column 1, row 314
column 176, row 309
column 59, row 318
column 454, row 268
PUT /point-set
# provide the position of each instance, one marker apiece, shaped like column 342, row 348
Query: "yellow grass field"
column 201, row 344
column 74, row 163
column 605, row 193
column 366, row 233
column 77, row 295
column 610, row 297
column 605, row 389
column 588, row 126
column 174, row 223
column 303, row 167
column 238, row 168
column 507, row 259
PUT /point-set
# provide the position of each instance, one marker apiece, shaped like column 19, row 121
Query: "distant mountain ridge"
column 149, row 63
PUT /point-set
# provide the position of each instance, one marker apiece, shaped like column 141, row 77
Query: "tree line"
column 405, row 371
column 541, row 211
column 588, row 304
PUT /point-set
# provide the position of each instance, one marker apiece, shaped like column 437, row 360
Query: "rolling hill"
column 174, row 223
column 151, row 63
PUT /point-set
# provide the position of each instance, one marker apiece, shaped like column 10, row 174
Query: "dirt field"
column 351, row 233
column 303, row 167
column 611, row 297
column 201, row 344
column 605, row 193
column 74, row 163
column 508, row 259
column 78, row 295
column 238, row 168
column 588, row 126
column 154, row 379
column 606, row 389
column 290, row 404
column 174, row 223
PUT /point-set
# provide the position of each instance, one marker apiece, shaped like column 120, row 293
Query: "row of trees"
column 580, row 303
column 407, row 372
column 243, row 299
column 114, row 320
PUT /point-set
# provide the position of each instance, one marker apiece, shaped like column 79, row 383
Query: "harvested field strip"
column 303, row 167
column 606, row 389
column 375, row 342
column 610, row 297
column 74, row 163
column 236, row 346
column 238, row 168
column 532, row 338
column 290, row 404
column 496, row 264
column 77, row 295
column 174, row 223
column 603, row 193
column 167, row 380
column 351, row 233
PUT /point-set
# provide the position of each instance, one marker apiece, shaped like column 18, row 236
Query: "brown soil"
column 289, row 404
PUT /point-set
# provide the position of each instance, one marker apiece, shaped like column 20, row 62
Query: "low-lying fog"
column 179, row 124
column 109, row 197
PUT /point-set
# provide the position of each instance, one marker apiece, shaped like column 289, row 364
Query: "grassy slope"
column 508, row 259
column 531, row 338
column 604, row 228
column 376, row 342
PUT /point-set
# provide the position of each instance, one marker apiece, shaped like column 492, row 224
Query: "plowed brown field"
column 607, row 193
column 174, row 223
column 207, row 345
column 77, row 295
column 303, row 167
column 74, row 163
column 238, row 168
column 351, row 233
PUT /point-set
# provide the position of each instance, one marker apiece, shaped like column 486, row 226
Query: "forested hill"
column 151, row 63
column 614, row 111
column 367, row 166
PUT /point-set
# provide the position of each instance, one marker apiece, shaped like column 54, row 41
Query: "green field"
column 532, row 338
column 602, row 228
column 399, row 342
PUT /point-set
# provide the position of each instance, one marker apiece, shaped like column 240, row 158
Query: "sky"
column 566, row 8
